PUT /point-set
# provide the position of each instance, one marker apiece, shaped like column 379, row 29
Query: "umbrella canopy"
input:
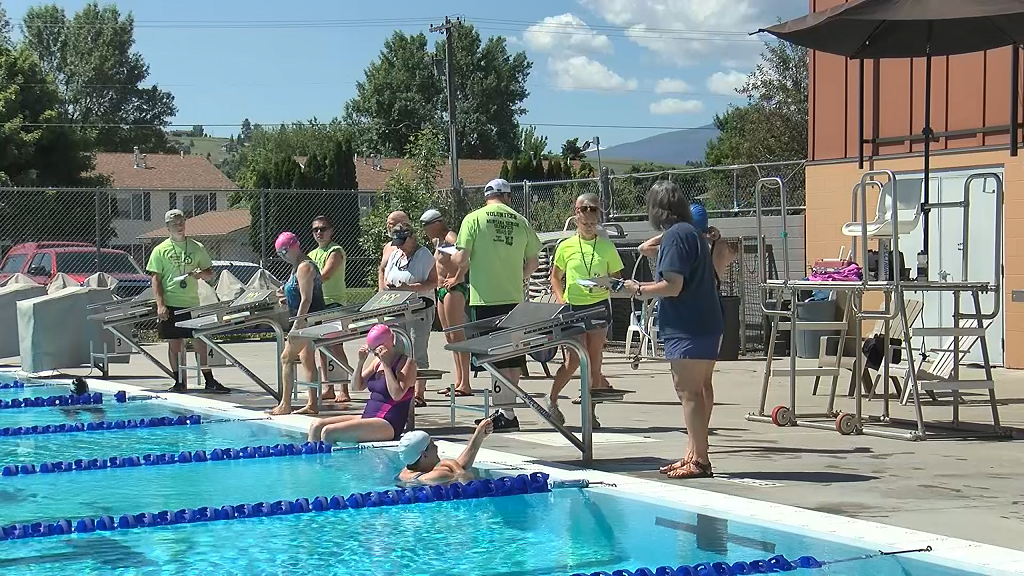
column 866, row 29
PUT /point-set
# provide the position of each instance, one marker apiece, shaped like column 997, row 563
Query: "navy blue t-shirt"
column 696, row 311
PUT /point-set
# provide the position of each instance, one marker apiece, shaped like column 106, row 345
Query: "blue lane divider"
column 61, row 400
column 218, row 454
column 774, row 564
column 504, row 486
column 183, row 420
column 12, row 385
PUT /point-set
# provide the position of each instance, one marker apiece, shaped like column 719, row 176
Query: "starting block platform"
column 119, row 317
column 251, row 308
column 532, row 327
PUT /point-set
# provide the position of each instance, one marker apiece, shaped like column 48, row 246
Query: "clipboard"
column 606, row 282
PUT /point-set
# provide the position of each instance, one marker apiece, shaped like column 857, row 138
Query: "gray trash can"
column 808, row 342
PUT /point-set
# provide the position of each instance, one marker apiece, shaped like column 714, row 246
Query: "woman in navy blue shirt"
column 689, row 318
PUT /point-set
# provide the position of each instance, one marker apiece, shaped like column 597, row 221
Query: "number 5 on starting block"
column 333, row 372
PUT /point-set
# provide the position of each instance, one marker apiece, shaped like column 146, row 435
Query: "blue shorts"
column 692, row 347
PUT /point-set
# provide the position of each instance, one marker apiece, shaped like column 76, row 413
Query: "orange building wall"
column 969, row 92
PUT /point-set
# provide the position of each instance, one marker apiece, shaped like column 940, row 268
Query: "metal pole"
column 449, row 69
column 860, row 116
column 99, row 235
column 1014, row 96
column 263, row 228
column 927, row 131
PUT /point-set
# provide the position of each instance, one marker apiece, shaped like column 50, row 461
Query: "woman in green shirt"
column 584, row 256
column 330, row 259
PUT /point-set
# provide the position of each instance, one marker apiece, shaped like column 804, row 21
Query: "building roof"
column 218, row 223
column 162, row 172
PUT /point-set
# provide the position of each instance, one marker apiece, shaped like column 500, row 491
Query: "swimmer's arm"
column 305, row 276
column 399, row 383
column 443, row 473
column 468, row 456
column 335, row 262
column 650, row 247
column 361, row 373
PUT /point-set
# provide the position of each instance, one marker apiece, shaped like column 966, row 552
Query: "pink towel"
column 851, row 273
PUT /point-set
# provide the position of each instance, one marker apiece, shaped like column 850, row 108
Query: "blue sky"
column 649, row 63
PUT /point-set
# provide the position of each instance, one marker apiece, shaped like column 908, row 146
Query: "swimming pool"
column 563, row 532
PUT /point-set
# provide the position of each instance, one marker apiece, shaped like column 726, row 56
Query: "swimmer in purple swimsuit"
column 391, row 380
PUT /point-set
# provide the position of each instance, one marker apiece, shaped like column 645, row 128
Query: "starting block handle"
column 478, row 324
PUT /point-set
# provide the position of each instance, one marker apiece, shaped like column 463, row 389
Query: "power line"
column 290, row 123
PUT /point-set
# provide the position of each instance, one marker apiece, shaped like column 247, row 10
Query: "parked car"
column 41, row 261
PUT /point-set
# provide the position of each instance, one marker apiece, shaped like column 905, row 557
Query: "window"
column 14, row 263
column 195, row 204
column 130, row 206
column 366, row 203
column 85, row 263
column 41, row 265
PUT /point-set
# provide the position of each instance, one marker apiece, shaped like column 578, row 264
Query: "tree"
column 772, row 126
column 35, row 155
column 6, row 40
column 530, row 144
column 571, row 150
column 402, row 95
column 99, row 78
column 246, row 134
column 197, row 131
column 191, row 143
column 504, row 174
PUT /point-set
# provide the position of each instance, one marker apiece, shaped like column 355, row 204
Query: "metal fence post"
column 96, row 223
column 605, row 184
column 735, row 190
column 263, row 228
column 526, row 200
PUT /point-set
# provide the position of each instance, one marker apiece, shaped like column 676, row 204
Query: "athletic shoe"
column 501, row 422
column 556, row 413
column 214, row 387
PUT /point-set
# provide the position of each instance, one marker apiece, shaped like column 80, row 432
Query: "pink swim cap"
column 286, row 240
column 379, row 334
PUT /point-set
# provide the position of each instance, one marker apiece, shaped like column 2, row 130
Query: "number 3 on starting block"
column 122, row 347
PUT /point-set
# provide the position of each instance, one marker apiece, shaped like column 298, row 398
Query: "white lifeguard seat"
column 907, row 210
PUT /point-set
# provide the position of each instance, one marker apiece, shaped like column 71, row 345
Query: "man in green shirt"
column 329, row 257
column 176, row 265
column 499, row 250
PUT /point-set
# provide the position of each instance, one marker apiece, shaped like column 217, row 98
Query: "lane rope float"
column 505, row 486
column 86, row 399
column 155, row 422
column 185, row 457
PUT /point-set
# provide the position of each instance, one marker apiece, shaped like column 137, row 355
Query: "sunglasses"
column 585, row 209
column 320, row 229
column 282, row 252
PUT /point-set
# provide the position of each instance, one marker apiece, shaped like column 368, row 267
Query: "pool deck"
column 956, row 487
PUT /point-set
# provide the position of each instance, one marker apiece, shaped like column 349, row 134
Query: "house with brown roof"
column 224, row 234
column 145, row 186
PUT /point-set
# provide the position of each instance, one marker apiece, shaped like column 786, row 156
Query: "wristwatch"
column 639, row 289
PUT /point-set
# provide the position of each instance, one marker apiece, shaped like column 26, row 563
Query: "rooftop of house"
column 216, row 223
column 371, row 174
column 161, row 172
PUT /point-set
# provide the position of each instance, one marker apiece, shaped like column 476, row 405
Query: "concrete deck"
column 960, row 487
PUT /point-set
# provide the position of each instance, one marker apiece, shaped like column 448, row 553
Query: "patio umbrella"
column 869, row 29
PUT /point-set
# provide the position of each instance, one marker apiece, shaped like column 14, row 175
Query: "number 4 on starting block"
column 215, row 358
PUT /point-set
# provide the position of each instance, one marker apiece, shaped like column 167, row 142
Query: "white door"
column 945, row 262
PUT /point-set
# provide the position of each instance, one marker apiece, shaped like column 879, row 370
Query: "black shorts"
column 602, row 305
column 167, row 330
column 483, row 312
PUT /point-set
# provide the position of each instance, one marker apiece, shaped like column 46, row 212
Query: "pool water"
column 110, row 410
column 560, row 533
column 138, row 441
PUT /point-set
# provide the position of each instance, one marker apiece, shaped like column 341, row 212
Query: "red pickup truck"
column 42, row 260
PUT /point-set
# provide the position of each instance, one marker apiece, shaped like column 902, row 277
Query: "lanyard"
column 593, row 255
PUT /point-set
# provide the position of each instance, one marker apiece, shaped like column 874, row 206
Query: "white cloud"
column 672, row 86
column 676, row 106
column 565, row 33
column 726, row 83
column 582, row 73
column 686, row 32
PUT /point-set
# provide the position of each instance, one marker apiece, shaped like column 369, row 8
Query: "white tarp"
column 54, row 331
column 18, row 278
column 263, row 280
column 59, row 282
column 10, row 295
column 207, row 295
column 100, row 280
column 228, row 287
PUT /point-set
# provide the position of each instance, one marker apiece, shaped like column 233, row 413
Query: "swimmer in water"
column 423, row 465
column 79, row 387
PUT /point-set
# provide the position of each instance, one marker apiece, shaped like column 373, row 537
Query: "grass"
column 204, row 145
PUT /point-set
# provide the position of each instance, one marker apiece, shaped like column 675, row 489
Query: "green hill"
column 204, row 145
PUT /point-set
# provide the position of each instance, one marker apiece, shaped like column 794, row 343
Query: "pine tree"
column 513, row 171
column 538, row 168
column 504, row 175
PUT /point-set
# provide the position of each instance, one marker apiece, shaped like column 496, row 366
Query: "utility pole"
column 449, row 66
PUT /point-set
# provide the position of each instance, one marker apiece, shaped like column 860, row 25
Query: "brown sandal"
column 692, row 469
column 674, row 466
column 420, row 401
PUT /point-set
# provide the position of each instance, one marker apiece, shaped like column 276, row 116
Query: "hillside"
column 678, row 147
column 203, row 145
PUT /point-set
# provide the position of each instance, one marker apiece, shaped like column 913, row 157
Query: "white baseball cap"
column 410, row 448
column 497, row 186
column 173, row 214
column 430, row 216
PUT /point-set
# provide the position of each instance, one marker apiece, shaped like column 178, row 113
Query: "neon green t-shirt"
column 171, row 259
column 582, row 259
column 334, row 289
column 499, row 240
